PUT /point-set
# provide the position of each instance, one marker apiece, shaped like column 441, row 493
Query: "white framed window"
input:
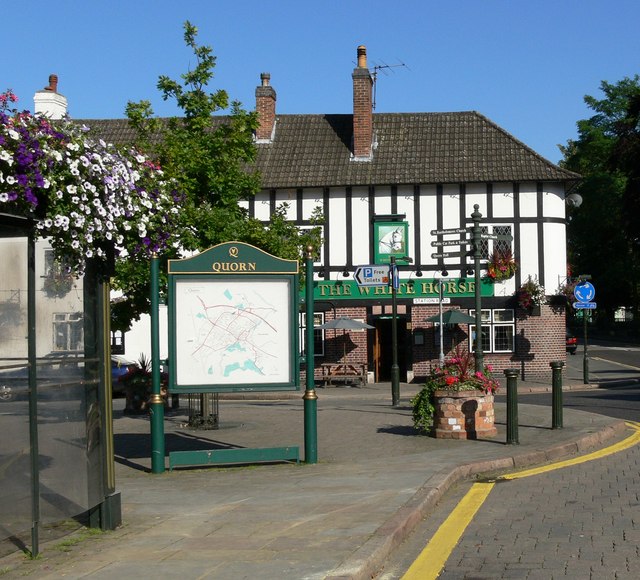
column 318, row 334
column 117, row 342
column 488, row 246
column 498, row 330
column 68, row 331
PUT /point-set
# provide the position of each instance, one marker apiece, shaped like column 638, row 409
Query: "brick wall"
column 539, row 340
column 266, row 108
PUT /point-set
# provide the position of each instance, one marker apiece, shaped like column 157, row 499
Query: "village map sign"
column 233, row 321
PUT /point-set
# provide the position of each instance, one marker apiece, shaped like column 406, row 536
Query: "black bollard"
column 512, row 406
column 556, row 389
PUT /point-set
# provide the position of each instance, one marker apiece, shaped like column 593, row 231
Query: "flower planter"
column 535, row 311
column 463, row 415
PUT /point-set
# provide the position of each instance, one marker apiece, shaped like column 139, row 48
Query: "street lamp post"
column 395, row 369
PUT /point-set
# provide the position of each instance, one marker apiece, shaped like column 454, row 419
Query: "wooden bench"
column 341, row 372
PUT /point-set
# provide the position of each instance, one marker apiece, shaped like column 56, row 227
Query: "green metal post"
column 512, row 406
column 310, row 398
column 395, row 369
column 33, row 396
column 556, row 390
column 585, row 360
column 156, row 404
column 477, row 254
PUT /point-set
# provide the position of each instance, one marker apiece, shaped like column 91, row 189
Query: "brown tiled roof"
column 412, row 148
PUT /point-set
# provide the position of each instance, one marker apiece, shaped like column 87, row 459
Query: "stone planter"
column 463, row 415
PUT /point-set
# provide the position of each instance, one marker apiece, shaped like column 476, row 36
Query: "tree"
column 604, row 233
column 209, row 157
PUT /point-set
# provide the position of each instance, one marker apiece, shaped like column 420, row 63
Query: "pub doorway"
column 383, row 348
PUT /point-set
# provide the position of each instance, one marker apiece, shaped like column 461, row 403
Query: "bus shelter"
column 56, row 443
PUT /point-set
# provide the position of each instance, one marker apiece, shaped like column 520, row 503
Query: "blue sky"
column 525, row 64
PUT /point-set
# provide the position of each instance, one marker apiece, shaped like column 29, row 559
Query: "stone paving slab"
column 339, row 518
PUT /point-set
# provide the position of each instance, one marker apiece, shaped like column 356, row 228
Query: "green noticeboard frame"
column 233, row 321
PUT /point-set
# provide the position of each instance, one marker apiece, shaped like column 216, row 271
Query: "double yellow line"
column 433, row 558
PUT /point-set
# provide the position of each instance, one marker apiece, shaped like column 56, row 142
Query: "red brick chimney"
column 362, row 107
column 49, row 101
column 266, row 109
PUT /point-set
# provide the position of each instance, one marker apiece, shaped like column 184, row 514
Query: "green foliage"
column 424, row 408
column 209, row 157
column 603, row 233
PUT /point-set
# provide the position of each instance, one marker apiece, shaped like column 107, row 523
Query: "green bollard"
column 556, row 389
column 310, row 398
column 156, row 416
column 512, row 406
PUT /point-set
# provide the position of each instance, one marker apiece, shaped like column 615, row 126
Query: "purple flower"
column 28, row 195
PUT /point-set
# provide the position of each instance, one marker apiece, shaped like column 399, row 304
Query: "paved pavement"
column 340, row 518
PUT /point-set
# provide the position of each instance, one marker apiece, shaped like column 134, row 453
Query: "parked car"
column 121, row 368
column 572, row 343
column 58, row 378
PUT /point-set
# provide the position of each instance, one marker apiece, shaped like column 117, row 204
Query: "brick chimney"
column 266, row 109
column 49, row 102
column 362, row 108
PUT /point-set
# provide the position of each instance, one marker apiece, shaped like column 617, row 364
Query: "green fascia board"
column 233, row 258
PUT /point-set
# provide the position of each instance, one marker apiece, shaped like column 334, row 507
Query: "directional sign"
column 395, row 277
column 450, row 254
column 430, row 300
column 506, row 237
column 451, row 243
column 584, row 292
column 584, row 305
column 372, row 275
column 450, row 231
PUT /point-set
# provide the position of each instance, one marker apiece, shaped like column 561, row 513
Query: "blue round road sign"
column 584, row 292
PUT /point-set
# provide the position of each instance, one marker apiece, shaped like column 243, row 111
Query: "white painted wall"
column 360, row 212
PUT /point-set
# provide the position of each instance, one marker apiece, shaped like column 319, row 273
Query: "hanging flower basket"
column 530, row 295
column 84, row 194
column 58, row 284
column 501, row 265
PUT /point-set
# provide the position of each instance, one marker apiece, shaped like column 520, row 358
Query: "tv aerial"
column 385, row 69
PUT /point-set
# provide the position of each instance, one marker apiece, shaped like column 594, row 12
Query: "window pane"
column 484, row 244
column 502, row 245
column 318, row 335
column 486, row 338
column 485, row 314
column 503, row 338
column 503, row 315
